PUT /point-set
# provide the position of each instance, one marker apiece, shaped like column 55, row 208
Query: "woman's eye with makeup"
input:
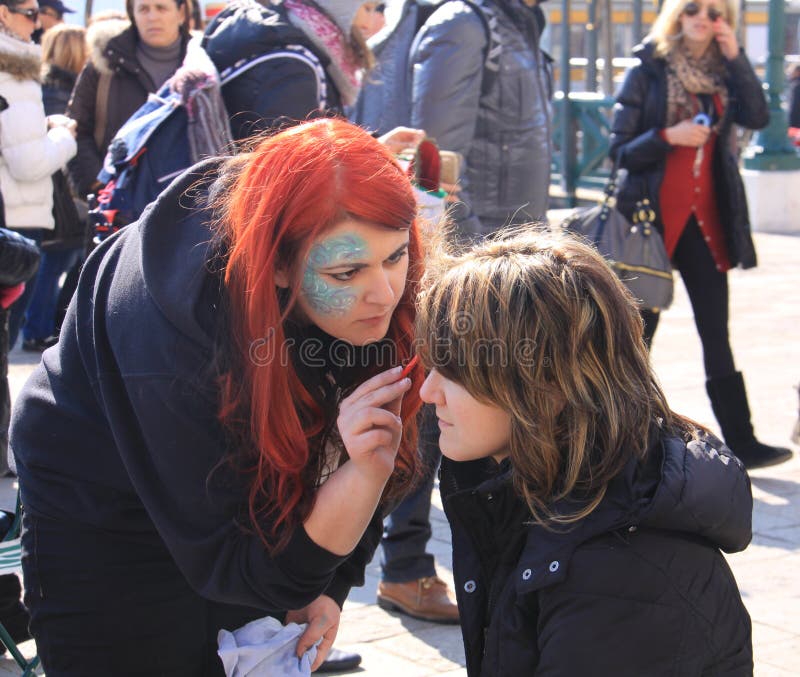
column 397, row 256
column 344, row 276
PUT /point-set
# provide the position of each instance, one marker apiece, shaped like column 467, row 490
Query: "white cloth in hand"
column 264, row 647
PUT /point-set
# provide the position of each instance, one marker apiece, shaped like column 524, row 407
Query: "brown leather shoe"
column 426, row 598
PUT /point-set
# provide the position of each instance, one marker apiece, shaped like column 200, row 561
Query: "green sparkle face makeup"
column 321, row 292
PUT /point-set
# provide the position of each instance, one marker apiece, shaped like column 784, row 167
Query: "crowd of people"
column 235, row 434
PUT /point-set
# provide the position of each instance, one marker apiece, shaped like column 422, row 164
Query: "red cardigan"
column 682, row 194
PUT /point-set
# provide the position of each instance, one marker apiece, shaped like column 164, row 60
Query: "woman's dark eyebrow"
column 399, row 249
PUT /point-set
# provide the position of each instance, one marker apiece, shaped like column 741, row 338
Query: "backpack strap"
column 494, row 46
column 101, row 108
column 297, row 52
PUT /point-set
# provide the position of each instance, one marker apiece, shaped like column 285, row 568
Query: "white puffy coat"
column 29, row 153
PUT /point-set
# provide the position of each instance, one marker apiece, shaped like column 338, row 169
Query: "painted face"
column 370, row 18
column 158, row 21
column 696, row 22
column 354, row 277
column 22, row 19
column 469, row 429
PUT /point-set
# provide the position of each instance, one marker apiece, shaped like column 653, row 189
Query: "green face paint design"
column 324, row 297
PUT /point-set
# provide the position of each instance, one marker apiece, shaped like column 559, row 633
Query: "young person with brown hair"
column 583, row 510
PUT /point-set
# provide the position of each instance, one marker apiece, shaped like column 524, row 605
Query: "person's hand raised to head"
column 369, row 422
column 726, row 39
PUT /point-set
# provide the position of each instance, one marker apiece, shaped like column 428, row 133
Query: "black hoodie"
column 117, row 431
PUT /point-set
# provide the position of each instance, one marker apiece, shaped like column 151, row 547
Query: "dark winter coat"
column 57, row 85
column 499, row 121
column 131, row 398
column 639, row 116
column 636, row 588
column 278, row 90
column 794, row 102
column 113, row 52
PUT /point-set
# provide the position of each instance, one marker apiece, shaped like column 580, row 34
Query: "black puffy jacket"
column 278, row 90
column 639, row 116
column 636, row 588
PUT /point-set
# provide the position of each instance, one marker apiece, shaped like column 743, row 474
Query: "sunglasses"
column 32, row 14
column 693, row 9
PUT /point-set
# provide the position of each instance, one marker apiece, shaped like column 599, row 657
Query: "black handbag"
column 19, row 258
column 635, row 250
column 71, row 230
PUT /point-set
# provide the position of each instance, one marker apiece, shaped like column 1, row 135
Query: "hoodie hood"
column 99, row 35
column 176, row 245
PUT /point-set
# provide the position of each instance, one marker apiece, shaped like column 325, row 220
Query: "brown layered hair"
column 537, row 324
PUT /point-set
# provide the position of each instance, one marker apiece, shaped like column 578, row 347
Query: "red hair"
column 290, row 188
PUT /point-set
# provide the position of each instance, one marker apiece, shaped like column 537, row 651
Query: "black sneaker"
column 340, row 661
column 16, row 624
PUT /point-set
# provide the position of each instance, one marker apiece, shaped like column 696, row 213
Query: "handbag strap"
column 608, row 194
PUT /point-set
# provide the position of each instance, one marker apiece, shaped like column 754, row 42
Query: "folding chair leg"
column 28, row 667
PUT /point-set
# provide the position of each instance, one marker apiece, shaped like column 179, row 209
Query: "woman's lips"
column 376, row 320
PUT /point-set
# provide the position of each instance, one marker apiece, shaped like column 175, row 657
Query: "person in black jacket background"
column 671, row 132
column 586, row 516
column 794, row 97
column 128, row 60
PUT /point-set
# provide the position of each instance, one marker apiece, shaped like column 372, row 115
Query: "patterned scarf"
column 344, row 68
column 687, row 75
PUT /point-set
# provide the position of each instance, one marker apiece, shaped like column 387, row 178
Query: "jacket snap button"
column 469, row 586
column 554, row 566
column 526, row 574
column 632, row 528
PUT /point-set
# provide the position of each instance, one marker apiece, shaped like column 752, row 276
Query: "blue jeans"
column 40, row 318
column 20, row 306
column 407, row 529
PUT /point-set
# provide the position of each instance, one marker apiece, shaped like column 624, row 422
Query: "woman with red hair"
column 215, row 435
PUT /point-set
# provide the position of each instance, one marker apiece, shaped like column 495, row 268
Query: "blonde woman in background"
column 671, row 129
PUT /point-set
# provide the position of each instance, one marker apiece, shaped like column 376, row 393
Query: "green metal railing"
column 585, row 164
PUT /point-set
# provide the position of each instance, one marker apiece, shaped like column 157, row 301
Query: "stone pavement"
column 765, row 323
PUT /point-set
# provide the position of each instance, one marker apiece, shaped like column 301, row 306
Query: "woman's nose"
column 380, row 291
column 429, row 392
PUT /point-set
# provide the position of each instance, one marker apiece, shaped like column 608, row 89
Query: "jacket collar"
column 696, row 488
column 21, row 60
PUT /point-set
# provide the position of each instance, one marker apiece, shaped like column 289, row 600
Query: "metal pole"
column 87, row 12
column 637, row 21
column 772, row 150
column 567, row 138
column 608, row 49
column 591, row 48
